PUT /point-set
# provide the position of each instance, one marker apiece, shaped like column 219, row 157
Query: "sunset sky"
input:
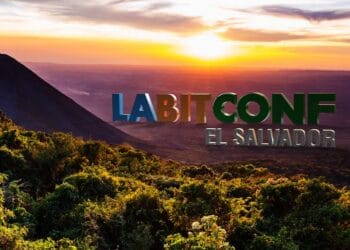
column 285, row 34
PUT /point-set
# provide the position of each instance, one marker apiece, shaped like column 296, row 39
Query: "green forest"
column 62, row 192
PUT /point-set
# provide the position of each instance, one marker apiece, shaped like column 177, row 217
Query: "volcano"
column 34, row 104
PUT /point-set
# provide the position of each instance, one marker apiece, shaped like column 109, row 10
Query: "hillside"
column 61, row 192
column 34, row 104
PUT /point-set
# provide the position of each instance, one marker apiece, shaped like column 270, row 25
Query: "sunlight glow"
column 206, row 46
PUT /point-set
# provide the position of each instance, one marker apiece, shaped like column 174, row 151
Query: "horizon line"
column 189, row 66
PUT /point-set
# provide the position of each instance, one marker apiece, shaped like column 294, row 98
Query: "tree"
column 205, row 235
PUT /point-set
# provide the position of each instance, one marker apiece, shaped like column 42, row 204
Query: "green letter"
column 219, row 104
column 245, row 115
column 315, row 108
column 281, row 106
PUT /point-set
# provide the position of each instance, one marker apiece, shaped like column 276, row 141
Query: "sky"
column 312, row 34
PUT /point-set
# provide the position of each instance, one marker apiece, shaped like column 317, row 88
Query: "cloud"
column 122, row 1
column 248, row 35
column 77, row 92
column 159, row 5
column 138, row 19
column 342, row 40
column 112, row 13
column 318, row 16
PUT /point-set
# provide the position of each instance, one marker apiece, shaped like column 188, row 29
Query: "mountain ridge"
column 34, row 104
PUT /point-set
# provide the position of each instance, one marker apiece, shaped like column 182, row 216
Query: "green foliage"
column 60, row 192
column 245, row 170
column 145, row 221
column 265, row 242
column 279, row 199
column 137, row 221
column 205, row 235
column 201, row 171
column 135, row 162
column 242, row 236
column 59, row 214
column 317, row 193
column 10, row 161
column 93, row 186
column 238, row 192
column 196, row 199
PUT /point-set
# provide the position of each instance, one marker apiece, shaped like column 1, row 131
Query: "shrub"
column 98, row 153
column 194, row 171
column 238, row 192
column 242, row 236
column 198, row 199
column 11, row 162
column 56, row 216
column 92, row 186
column 246, row 170
column 145, row 221
column 279, row 199
column 205, row 235
column 226, row 176
column 317, row 192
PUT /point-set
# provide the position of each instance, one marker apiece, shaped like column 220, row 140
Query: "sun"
column 206, row 46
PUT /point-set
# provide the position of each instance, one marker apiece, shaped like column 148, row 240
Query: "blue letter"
column 118, row 108
column 143, row 108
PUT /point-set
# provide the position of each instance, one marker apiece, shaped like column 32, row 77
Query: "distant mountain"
column 34, row 104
